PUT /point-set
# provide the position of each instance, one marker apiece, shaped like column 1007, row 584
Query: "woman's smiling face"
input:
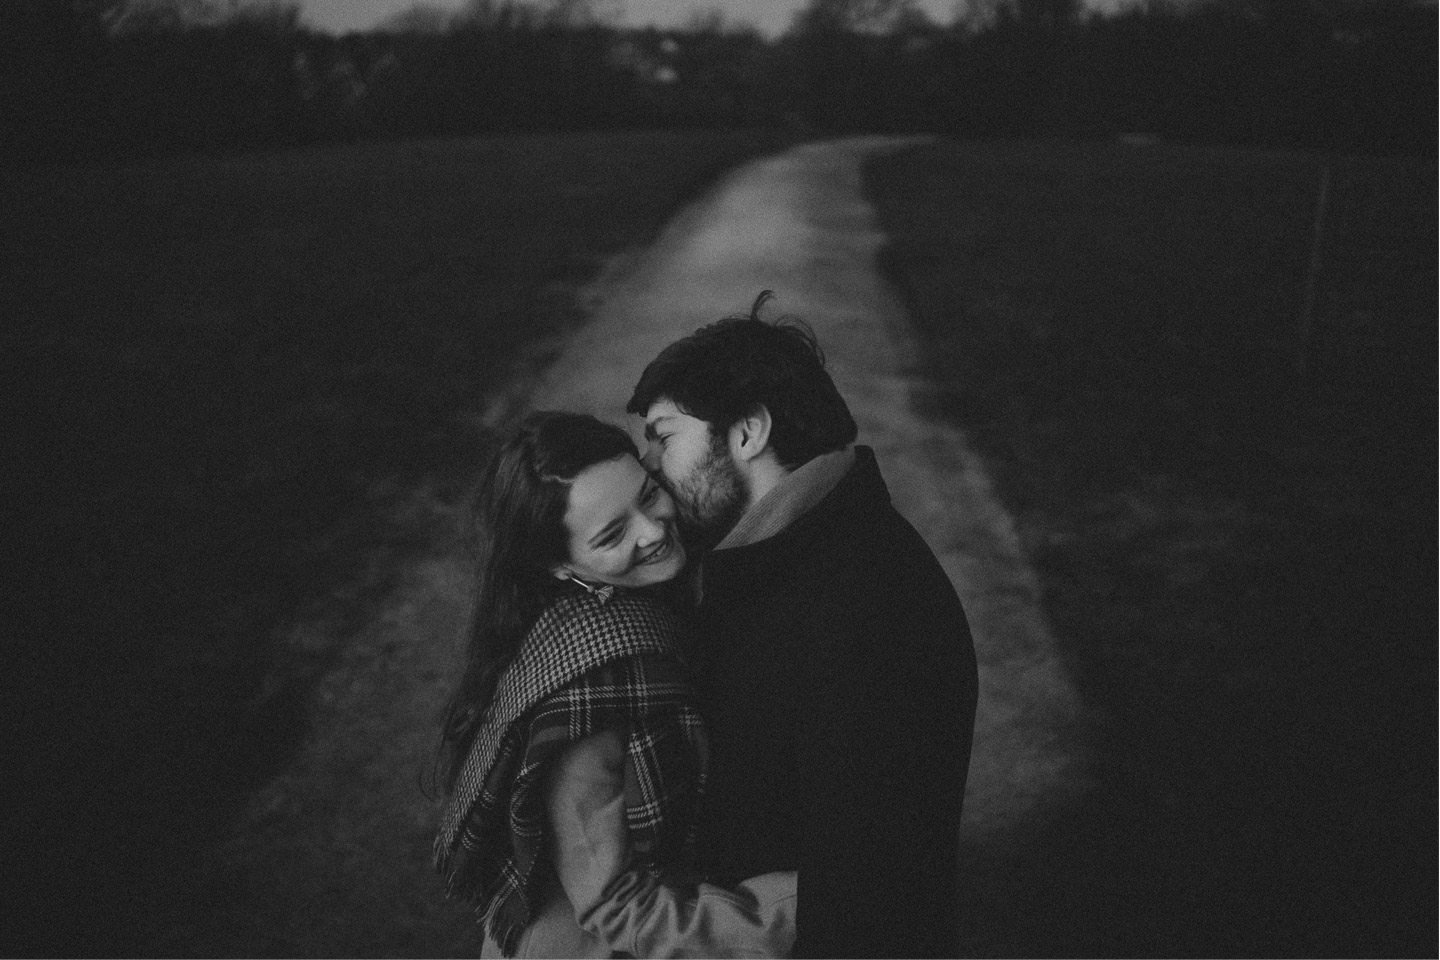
column 621, row 527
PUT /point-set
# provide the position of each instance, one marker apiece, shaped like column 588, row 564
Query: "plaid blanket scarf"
column 590, row 663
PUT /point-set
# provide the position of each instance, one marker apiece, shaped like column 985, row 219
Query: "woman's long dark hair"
column 520, row 521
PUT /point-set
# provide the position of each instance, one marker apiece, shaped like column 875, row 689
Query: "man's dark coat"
column 837, row 679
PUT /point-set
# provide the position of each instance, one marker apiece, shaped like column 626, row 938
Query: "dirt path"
column 798, row 224
column 332, row 858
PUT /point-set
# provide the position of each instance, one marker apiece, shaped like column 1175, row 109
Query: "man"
column 833, row 661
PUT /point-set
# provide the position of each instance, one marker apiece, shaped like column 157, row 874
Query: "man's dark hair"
column 723, row 371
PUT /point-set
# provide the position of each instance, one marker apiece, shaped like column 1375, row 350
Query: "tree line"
column 101, row 78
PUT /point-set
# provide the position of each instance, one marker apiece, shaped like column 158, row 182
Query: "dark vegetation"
column 230, row 345
column 95, row 79
column 222, row 373
column 1238, row 555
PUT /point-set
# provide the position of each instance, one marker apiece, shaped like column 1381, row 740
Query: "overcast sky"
column 770, row 16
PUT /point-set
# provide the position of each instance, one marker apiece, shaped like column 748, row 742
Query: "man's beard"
column 711, row 499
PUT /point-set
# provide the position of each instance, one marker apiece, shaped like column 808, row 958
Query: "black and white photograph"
column 720, row 478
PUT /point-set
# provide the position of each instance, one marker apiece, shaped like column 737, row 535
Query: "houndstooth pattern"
column 590, row 663
column 572, row 636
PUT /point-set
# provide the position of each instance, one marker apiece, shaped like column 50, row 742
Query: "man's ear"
column 750, row 435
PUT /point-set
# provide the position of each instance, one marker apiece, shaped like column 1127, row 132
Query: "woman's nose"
column 649, row 530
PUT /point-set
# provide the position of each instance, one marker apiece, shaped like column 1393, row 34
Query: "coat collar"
column 795, row 495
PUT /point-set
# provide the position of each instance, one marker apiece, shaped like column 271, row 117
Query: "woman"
column 572, row 756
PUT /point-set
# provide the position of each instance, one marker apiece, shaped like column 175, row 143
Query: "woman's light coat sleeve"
column 630, row 908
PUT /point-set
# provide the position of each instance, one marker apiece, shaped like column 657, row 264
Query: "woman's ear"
column 750, row 435
column 561, row 572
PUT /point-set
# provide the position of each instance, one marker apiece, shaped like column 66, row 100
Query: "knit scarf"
column 796, row 493
column 591, row 663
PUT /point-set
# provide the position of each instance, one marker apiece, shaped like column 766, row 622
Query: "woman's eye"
column 648, row 495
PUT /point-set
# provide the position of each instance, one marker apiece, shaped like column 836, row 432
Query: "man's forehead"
column 663, row 409
column 668, row 416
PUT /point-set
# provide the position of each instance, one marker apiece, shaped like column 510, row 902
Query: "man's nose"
column 651, row 460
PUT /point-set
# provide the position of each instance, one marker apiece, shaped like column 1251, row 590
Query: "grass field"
column 1238, row 560
column 226, row 369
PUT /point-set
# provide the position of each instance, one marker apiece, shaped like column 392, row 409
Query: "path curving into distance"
column 332, row 856
column 798, row 224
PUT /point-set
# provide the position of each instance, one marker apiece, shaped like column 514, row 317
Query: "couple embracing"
column 719, row 695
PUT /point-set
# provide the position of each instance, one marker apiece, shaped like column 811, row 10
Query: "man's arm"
column 881, row 755
column 849, row 855
column 629, row 908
